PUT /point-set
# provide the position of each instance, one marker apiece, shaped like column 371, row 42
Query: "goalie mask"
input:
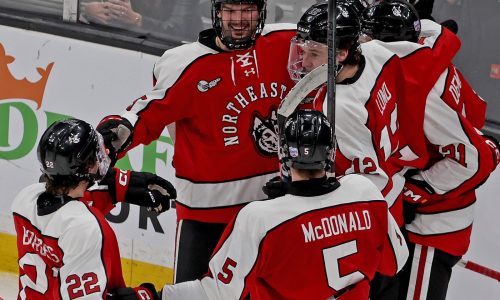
column 390, row 21
column 69, row 148
column 308, row 49
column 308, row 141
column 238, row 22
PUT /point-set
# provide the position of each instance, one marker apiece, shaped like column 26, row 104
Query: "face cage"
column 296, row 69
column 236, row 44
column 102, row 158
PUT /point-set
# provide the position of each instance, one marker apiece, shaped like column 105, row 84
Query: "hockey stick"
column 307, row 84
column 331, row 88
column 470, row 265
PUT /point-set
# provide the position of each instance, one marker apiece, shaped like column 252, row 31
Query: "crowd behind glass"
column 182, row 20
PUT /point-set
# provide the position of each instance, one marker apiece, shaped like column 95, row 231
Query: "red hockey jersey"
column 462, row 98
column 298, row 247
column 67, row 254
column 442, row 142
column 460, row 161
column 370, row 106
column 221, row 107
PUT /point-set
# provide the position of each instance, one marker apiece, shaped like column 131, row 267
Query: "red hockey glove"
column 117, row 134
column 494, row 146
column 417, row 191
column 146, row 291
column 140, row 188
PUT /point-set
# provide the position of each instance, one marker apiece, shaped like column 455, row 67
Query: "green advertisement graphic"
column 29, row 137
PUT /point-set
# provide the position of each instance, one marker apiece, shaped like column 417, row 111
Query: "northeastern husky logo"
column 204, row 86
column 265, row 134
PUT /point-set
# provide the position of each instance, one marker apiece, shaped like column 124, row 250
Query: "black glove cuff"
column 275, row 188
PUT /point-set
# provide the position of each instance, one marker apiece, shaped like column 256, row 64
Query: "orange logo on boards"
column 12, row 88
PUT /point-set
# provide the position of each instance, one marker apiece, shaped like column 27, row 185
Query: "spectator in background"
column 287, row 10
column 177, row 18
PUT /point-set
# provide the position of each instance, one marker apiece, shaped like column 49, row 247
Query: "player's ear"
column 342, row 55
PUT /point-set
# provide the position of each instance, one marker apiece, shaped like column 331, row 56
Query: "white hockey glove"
column 117, row 133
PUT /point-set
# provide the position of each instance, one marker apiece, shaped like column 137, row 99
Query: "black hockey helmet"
column 312, row 32
column 358, row 5
column 313, row 24
column 229, row 41
column 391, row 21
column 69, row 148
column 308, row 141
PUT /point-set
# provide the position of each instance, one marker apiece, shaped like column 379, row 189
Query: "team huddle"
column 259, row 213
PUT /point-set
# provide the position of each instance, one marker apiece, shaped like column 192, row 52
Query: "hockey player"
column 324, row 238
column 218, row 97
column 370, row 78
column 439, row 196
column 66, row 248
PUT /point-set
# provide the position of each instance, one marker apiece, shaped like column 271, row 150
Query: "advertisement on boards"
column 45, row 78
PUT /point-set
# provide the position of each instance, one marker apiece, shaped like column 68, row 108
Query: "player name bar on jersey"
column 336, row 224
column 32, row 239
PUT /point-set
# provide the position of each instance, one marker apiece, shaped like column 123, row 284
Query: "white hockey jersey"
column 68, row 254
column 459, row 160
column 298, row 247
column 370, row 107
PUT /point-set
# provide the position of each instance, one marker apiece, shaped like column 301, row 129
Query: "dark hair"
column 62, row 184
column 354, row 55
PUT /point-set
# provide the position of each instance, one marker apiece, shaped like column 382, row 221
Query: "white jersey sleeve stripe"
column 442, row 126
column 444, row 222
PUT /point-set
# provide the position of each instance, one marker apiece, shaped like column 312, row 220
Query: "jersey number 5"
column 331, row 257
column 226, row 274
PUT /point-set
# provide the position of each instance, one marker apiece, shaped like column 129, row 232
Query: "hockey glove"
column 495, row 148
column 417, row 191
column 409, row 211
column 140, row 188
column 117, row 134
column 146, row 291
column 451, row 25
column 274, row 188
